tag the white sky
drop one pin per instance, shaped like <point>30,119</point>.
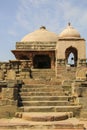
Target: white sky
<point>19,17</point>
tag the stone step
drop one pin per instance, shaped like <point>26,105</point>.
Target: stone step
<point>40,86</point>
<point>43,72</point>
<point>34,85</point>
<point>46,98</point>
<point>42,82</point>
<point>45,103</point>
<point>75,109</point>
<point>32,125</point>
<point>44,117</point>
<point>41,89</point>
<point>41,93</point>
<point>39,127</point>
<point>43,75</point>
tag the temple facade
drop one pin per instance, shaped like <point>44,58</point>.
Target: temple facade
<point>47,50</point>
<point>49,74</point>
<point>43,51</point>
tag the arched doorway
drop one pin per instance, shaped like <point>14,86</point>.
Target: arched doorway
<point>42,61</point>
<point>71,56</point>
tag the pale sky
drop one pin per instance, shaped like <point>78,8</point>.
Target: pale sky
<point>20,17</point>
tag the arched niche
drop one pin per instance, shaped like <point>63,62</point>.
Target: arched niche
<point>81,73</point>
<point>71,56</point>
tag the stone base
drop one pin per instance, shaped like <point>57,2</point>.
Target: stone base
<point>22,125</point>
<point>44,117</point>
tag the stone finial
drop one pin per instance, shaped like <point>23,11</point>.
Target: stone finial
<point>69,24</point>
<point>42,27</point>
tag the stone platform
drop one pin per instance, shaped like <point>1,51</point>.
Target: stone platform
<point>21,124</point>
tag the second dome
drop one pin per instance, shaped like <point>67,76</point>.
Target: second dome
<point>69,32</point>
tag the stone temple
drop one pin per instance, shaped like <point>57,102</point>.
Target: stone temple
<point>46,84</point>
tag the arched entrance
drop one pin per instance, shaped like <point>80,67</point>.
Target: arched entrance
<point>71,56</point>
<point>42,61</point>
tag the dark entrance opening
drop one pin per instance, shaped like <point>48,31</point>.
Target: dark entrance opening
<point>42,61</point>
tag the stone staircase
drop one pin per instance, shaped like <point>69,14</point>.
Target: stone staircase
<point>43,73</point>
<point>45,104</point>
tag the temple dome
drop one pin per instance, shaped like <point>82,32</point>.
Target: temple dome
<point>69,32</point>
<point>41,35</point>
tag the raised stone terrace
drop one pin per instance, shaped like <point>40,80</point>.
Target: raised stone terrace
<point>41,102</point>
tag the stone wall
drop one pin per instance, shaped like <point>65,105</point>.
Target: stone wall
<point>67,72</point>
<point>14,70</point>
<point>80,90</point>
<point>63,44</point>
<point>9,97</point>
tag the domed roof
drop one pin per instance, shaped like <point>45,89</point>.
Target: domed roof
<point>69,32</point>
<point>41,35</point>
